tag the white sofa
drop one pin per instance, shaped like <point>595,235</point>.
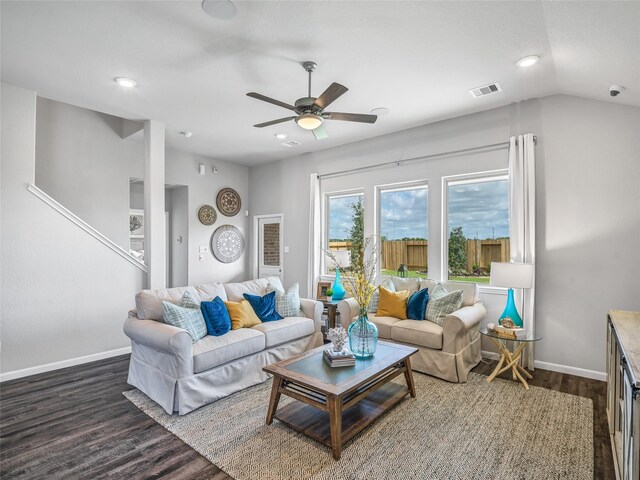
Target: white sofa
<point>181,376</point>
<point>449,351</point>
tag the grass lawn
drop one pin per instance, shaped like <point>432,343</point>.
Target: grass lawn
<point>412,274</point>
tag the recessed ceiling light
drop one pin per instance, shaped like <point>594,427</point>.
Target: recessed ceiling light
<point>528,61</point>
<point>125,82</point>
<point>186,134</point>
<point>220,9</point>
<point>380,111</point>
<point>281,136</point>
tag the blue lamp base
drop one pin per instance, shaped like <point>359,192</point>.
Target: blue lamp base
<point>510,311</point>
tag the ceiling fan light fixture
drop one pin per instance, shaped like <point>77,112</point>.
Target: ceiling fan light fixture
<point>309,121</point>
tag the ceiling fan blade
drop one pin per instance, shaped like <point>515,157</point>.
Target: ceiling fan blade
<point>350,117</point>
<point>273,122</point>
<point>320,133</point>
<point>330,95</point>
<point>258,96</point>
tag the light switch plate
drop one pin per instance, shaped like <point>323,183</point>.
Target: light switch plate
<point>178,239</point>
<point>286,249</point>
<point>204,249</point>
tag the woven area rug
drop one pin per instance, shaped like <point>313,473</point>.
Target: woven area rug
<point>450,431</point>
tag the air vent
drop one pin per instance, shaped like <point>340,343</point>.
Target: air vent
<point>485,90</point>
<point>291,143</point>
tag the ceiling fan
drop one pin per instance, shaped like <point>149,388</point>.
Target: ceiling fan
<point>310,111</point>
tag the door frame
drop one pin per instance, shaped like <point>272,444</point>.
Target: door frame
<point>256,241</point>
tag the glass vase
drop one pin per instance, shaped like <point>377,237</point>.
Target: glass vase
<point>363,336</point>
<point>338,289</point>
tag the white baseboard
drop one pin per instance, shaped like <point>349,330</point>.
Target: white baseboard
<point>63,364</point>
<point>554,367</point>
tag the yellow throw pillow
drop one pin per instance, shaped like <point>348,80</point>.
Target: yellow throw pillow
<point>393,304</point>
<point>242,315</point>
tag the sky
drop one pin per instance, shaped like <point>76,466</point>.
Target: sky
<point>482,209</point>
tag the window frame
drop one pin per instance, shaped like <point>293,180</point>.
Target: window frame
<point>395,187</point>
<point>325,222</point>
<point>463,179</point>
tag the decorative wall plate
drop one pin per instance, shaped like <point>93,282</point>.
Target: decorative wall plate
<point>227,243</point>
<point>228,202</point>
<point>207,215</point>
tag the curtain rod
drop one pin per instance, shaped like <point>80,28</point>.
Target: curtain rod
<point>398,163</point>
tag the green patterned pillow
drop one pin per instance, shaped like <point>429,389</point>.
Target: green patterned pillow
<point>375,298</point>
<point>444,304</point>
<point>288,303</point>
<point>186,315</point>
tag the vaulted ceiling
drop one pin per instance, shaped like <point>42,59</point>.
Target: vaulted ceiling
<point>418,59</point>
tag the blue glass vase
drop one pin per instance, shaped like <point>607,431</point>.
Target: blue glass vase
<point>511,311</point>
<point>338,289</point>
<point>363,336</point>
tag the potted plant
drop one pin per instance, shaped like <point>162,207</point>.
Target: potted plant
<point>329,294</point>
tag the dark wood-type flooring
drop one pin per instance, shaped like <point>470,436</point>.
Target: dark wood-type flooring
<point>76,424</point>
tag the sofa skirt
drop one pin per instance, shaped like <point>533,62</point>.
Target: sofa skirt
<point>186,394</point>
<point>453,367</point>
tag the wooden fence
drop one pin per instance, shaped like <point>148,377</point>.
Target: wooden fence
<point>414,253</point>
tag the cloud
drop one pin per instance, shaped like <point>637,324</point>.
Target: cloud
<point>404,214</point>
<point>481,209</point>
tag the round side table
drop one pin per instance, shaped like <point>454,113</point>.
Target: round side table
<point>510,359</point>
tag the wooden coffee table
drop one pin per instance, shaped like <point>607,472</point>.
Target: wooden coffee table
<point>335,404</point>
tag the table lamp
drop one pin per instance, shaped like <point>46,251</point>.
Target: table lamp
<point>511,275</point>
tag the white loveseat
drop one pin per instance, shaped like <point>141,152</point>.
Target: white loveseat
<point>449,351</point>
<point>181,376</point>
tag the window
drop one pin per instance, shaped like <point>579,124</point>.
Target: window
<point>403,229</point>
<point>345,227</point>
<point>477,225</point>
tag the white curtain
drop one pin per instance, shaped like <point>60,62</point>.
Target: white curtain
<point>314,234</point>
<point>522,209</point>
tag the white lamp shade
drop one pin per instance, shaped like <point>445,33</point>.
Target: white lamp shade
<point>512,275</point>
<point>342,259</point>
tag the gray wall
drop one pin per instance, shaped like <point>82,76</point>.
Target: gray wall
<point>83,163</point>
<point>179,218</point>
<point>64,294</point>
<point>588,208</point>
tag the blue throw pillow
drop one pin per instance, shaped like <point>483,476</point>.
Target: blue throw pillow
<point>216,317</point>
<point>265,307</point>
<point>417,304</point>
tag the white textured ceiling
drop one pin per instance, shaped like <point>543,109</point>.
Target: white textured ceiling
<point>416,58</point>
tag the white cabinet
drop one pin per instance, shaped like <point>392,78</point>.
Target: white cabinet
<point>623,391</point>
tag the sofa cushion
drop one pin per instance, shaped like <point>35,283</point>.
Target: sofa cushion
<point>412,283</point>
<point>393,304</point>
<point>417,305</point>
<point>384,324</point>
<point>211,351</point>
<point>235,291</point>
<point>288,303</point>
<point>439,308</point>
<point>286,330</point>
<point>185,315</point>
<point>149,302</point>
<point>469,290</point>
<point>264,306</point>
<point>417,332</point>
<point>216,317</point>
<point>242,314</point>
<point>375,297</point>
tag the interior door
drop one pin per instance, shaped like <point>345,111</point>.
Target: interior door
<point>270,249</point>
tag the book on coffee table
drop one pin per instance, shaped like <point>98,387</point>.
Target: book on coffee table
<point>339,359</point>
